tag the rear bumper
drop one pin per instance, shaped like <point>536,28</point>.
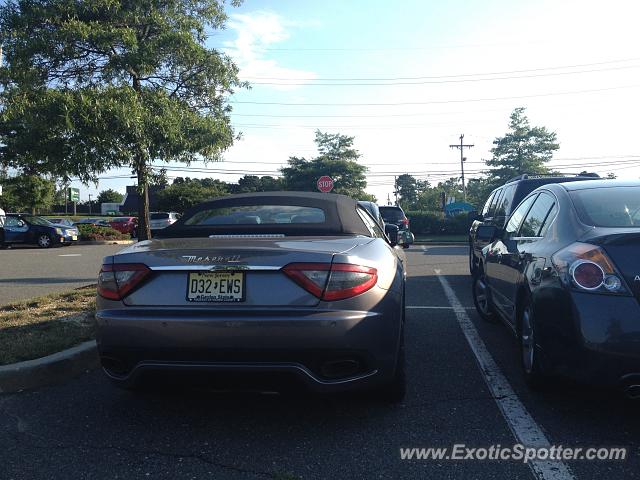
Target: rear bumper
<point>326,350</point>
<point>597,340</point>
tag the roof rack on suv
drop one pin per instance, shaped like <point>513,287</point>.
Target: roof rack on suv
<point>526,176</point>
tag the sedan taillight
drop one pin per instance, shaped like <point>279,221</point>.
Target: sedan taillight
<point>588,268</point>
<point>337,281</point>
<point>116,281</point>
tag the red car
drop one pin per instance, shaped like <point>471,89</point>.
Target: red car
<point>125,225</point>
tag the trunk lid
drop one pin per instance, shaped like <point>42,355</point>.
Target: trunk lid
<point>623,247</point>
<point>259,259</point>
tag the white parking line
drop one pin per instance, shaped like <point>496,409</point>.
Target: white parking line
<point>521,423</point>
<point>71,255</point>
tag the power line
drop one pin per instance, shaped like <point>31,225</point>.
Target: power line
<point>315,83</point>
<point>462,75</point>
<point>434,102</point>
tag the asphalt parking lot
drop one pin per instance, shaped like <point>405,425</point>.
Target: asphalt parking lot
<point>27,271</point>
<point>464,388</point>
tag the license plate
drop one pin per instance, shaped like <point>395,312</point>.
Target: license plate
<point>74,237</point>
<point>215,287</point>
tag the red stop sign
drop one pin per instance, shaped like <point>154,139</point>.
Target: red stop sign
<point>325,184</point>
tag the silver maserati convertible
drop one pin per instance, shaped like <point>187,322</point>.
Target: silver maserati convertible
<point>300,286</point>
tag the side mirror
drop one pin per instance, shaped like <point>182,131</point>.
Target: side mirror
<point>488,233</point>
<point>392,233</point>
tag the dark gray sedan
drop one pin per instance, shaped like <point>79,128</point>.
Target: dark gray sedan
<point>299,286</point>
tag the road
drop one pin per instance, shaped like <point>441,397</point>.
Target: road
<point>88,429</point>
<point>26,272</point>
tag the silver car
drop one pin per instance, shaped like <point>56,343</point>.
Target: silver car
<point>303,286</point>
<point>160,220</point>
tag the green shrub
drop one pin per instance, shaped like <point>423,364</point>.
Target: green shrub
<point>92,232</point>
<point>433,223</point>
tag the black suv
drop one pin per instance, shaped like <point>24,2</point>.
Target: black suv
<point>503,200</point>
<point>394,215</point>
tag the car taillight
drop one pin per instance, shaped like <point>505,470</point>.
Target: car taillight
<point>405,221</point>
<point>337,281</point>
<point>588,268</point>
<point>116,281</point>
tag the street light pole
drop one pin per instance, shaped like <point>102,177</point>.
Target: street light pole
<point>89,204</point>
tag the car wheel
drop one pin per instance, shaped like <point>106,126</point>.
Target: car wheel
<point>406,245</point>
<point>473,268</point>
<point>44,241</point>
<point>396,389</point>
<point>531,359</point>
<point>482,299</point>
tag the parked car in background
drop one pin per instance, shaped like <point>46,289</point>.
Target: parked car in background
<point>317,300</point>
<point>125,225</point>
<point>503,200</point>
<point>391,230</point>
<point>160,220</point>
<point>393,214</point>
<point>22,228</point>
<point>61,221</point>
<point>564,275</point>
<point>97,222</point>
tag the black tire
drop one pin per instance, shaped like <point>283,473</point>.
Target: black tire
<point>396,389</point>
<point>45,241</point>
<point>482,299</point>
<point>406,245</point>
<point>531,359</point>
<point>473,267</point>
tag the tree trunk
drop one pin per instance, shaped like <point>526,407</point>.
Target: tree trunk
<point>144,231</point>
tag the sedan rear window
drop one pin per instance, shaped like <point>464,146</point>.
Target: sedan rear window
<point>257,215</point>
<point>614,207</point>
<point>159,216</point>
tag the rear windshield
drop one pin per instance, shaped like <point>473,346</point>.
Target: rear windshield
<point>257,215</point>
<point>159,216</point>
<point>123,219</point>
<point>391,214</point>
<point>608,207</point>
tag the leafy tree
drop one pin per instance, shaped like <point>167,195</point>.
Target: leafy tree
<point>337,158</point>
<point>186,193</point>
<point>253,183</point>
<point>109,196</point>
<point>33,193</point>
<point>409,188</point>
<point>92,85</point>
<point>523,149</point>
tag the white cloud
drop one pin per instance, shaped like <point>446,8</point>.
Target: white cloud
<point>256,32</point>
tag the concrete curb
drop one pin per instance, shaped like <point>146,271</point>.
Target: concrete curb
<point>49,370</point>
<point>105,242</point>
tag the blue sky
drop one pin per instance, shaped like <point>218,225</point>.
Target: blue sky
<point>446,67</point>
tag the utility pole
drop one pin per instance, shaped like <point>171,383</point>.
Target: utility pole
<point>462,146</point>
<point>395,188</point>
<point>89,204</point>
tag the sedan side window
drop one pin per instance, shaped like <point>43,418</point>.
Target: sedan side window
<point>517,216</point>
<point>537,214</point>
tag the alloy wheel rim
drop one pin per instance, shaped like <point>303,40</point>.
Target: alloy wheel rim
<point>481,296</point>
<point>527,340</point>
<point>44,241</point>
